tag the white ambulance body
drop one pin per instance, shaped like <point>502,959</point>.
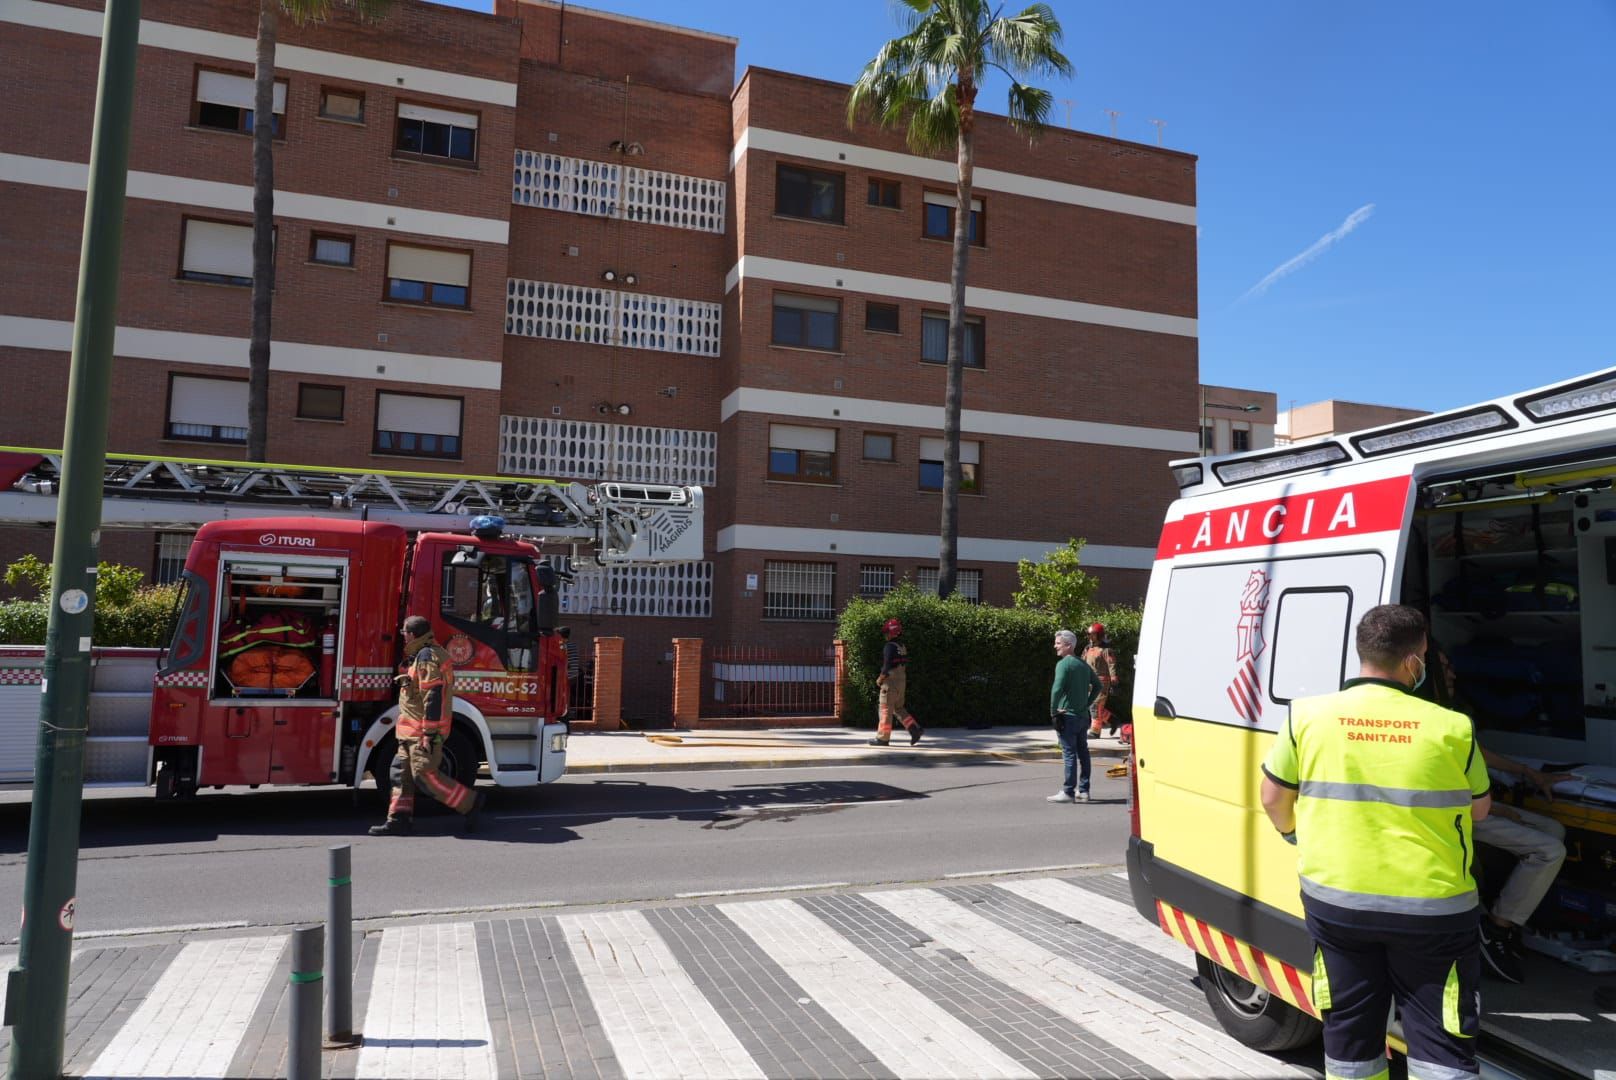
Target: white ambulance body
<point>1498,521</point>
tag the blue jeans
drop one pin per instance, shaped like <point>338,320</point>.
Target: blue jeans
<point>1072,731</point>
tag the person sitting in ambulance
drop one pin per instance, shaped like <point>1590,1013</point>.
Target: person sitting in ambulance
<point>1536,841</point>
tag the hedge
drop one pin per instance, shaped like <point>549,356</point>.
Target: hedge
<point>146,621</point>
<point>969,662</point>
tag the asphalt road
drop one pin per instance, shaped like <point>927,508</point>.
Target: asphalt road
<point>259,858</point>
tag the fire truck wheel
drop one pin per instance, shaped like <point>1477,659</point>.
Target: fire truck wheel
<point>460,757</point>
<point>1251,1014</point>
<point>380,766</point>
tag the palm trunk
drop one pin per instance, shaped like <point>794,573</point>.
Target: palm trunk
<point>948,548</point>
<point>263,246</point>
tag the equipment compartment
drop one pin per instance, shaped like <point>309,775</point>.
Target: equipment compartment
<point>277,628</point>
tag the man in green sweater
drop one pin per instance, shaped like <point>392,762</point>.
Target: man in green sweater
<point>1075,689</point>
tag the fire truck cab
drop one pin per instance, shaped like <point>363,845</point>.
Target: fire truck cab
<point>282,665</point>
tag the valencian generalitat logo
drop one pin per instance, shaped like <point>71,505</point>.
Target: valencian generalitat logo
<point>1245,690</point>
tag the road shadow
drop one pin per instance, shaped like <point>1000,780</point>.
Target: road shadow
<point>550,814</point>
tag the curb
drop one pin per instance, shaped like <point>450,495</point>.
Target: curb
<point>893,755</point>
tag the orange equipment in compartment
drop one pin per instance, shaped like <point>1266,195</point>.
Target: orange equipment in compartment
<point>270,667</point>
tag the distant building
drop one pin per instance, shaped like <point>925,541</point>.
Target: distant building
<point>1333,417</point>
<point>1234,419</point>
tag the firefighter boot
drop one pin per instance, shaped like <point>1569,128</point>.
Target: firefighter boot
<point>473,818</point>
<point>393,826</point>
<point>915,731</point>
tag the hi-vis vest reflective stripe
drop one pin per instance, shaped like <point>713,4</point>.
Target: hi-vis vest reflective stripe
<point>1374,764</point>
<point>426,702</point>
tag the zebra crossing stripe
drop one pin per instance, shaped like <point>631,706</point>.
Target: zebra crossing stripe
<point>427,1017</point>
<point>1103,913</point>
<point>863,996</point>
<point>657,1020</point>
<point>196,1013</point>
<point>1177,1045</point>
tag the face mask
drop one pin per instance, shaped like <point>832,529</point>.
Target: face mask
<point>1419,680</point>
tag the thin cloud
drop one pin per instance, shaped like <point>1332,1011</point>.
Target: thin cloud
<point>1319,247</point>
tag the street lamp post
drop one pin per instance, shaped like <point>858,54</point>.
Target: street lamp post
<point>1248,407</point>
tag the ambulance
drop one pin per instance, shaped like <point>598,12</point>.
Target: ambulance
<point>1499,522</point>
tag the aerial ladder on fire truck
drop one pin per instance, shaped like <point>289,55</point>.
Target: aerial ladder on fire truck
<point>609,522</point>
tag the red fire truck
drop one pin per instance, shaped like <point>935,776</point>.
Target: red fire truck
<point>286,641</point>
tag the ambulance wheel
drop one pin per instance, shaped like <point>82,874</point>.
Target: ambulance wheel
<point>1253,1015</point>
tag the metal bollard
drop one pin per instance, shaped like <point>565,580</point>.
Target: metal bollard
<point>339,1024</point>
<point>303,1036</point>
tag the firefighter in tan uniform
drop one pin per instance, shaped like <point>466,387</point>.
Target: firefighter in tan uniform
<point>1103,661</point>
<point>425,718</point>
<point>893,681</point>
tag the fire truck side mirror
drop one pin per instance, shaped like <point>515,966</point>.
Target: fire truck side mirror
<point>549,597</point>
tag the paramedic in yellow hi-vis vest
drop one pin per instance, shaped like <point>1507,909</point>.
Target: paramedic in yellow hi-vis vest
<point>1377,789</point>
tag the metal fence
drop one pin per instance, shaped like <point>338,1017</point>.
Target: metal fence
<point>753,680</point>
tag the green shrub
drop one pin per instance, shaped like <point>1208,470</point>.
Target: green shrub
<point>23,622</point>
<point>127,613</point>
<point>967,662</point>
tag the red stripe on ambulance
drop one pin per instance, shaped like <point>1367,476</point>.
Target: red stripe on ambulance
<point>1376,506</point>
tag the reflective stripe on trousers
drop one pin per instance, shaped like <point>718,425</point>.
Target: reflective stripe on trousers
<point>419,761</point>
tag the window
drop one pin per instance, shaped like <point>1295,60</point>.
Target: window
<point>796,590</point>
<point>216,251</point>
<point>206,409</point>
<point>807,322</point>
<point>172,548</point>
<point>882,318</point>
<point>224,102</point>
<point>802,453</point>
<point>1309,622</point>
<point>346,105</point>
<point>879,446</point>
<point>875,580</point>
<point>428,276</point>
<point>418,425</point>
<point>939,219</point>
<point>436,133</point>
<point>884,192</point>
<point>934,339</point>
<point>931,466</point>
<point>808,193</point>
<point>317,401</point>
<point>1239,438</point>
<point>967,583</point>
<point>330,249</point>
<point>1209,439</point>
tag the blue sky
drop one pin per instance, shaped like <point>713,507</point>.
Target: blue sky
<point>1401,203</point>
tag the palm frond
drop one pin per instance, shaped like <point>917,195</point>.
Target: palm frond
<point>934,124</point>
<point>312,11</point>
<point>1028,43</point>
<point>1029,108</point>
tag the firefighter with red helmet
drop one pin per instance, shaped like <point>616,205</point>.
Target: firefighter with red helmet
<point>893,681</point>
<point>425,718</point>
<point>1098,655</point>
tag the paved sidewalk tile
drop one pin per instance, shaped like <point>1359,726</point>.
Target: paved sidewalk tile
<point>426,1018</point>
<point>196,1013</point>
<point>910,1033</point>
<point>659,1024</point>
<point>787,1033</point>
<point>543,1021</point>
<point>1023,1027</point>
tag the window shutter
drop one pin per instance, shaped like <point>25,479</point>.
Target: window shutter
<point>221,402</point>
<point>937,198</point>
<point>422,415</point>
<point>426,264</point>
<point>970,451</point>
<point>212,247</point>
<point>792,437</point>
<point>219,88</point>
<point>437,116</point>
<point>807,303</point>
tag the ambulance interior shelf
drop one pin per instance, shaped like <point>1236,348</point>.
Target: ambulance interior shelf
<point>274,618</point>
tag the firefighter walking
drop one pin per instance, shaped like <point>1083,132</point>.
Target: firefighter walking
<point>893,681</point>
<point>425,718</point>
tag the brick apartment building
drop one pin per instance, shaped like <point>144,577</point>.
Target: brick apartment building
<point>682,280</point>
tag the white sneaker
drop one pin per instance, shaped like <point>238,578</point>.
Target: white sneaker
<point>1081,796</point>
<point>1060,796</point>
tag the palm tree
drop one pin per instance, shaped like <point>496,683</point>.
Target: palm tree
<point>263,247</point>
<point>928,79</point>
